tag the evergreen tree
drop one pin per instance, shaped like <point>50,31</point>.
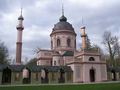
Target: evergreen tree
<point>3,53</point>
<point>32,62</point>
<point>88,44</point>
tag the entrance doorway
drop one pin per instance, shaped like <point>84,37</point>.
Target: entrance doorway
<point>61,78</point>
<point>92,75</point>
<point>6,76</point>
<point>44,76</point>
<point>113,75</point>
<point>26,76</point>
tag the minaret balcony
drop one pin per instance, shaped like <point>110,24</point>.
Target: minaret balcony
<point>20,27</point>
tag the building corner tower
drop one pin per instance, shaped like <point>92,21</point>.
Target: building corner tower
<point>19,28</point>
<point>83,35</point>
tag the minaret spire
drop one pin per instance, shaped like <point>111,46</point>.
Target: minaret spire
<point>63,18</point>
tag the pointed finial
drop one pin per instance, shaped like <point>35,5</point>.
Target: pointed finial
<point>21,11</point>
<point>21,7</point>
<point>62,9</point>
<point>63,18</point>
<point>20,17</point>
<point>82,22</point>
<point>83,27</point>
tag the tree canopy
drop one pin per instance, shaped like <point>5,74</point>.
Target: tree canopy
<point>111,43</point>
<point>3,53</point>
<point>88,43</point>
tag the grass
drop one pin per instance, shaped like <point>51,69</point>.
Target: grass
<point>102,86</point>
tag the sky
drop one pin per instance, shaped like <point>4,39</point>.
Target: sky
<point>41,15</point>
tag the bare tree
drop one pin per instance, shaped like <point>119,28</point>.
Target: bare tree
<point>112,46</point>
<point>117,55</point>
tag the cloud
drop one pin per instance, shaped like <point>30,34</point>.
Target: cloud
<point>41,15</point>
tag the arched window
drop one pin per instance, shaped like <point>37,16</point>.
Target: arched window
<point>58,42</point>
<point>68,42</point>
<point>54,63</point>
<point>91,59</point>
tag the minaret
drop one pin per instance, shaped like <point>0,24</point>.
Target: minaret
<point>19,28</point>
<point>83,35</point>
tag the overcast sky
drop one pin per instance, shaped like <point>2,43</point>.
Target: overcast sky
<point>41,15</point>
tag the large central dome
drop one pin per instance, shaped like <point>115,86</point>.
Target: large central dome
<point>63,24</point>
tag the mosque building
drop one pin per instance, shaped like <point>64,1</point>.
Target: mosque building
<point>86,64</point>
<point>63,63</point>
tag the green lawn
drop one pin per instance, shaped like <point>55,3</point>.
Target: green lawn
<point>104,86</point>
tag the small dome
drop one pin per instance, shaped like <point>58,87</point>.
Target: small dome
<point>63,24</point>
<point>63,18</point>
